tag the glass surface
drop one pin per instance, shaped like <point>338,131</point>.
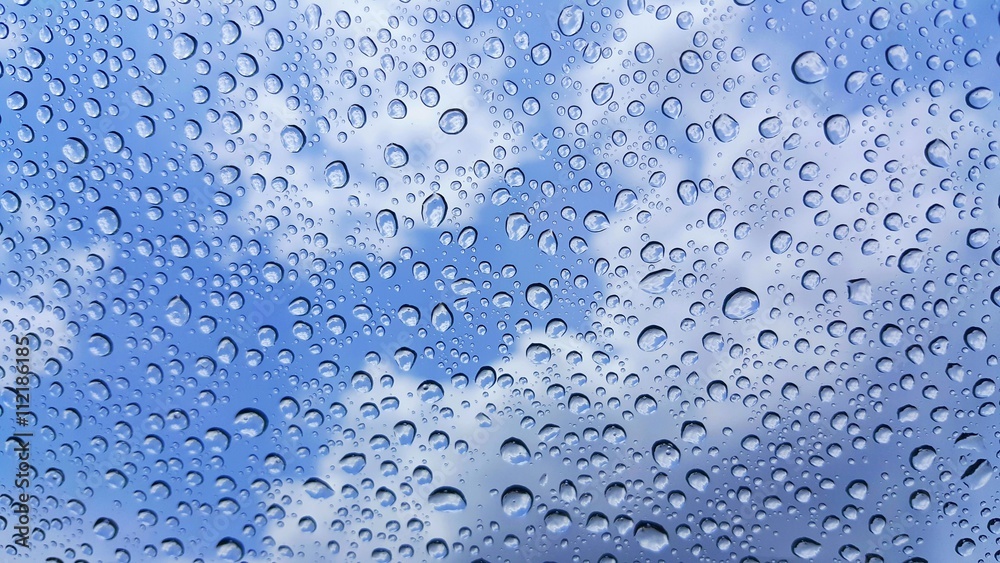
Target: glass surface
<point>592,281</point>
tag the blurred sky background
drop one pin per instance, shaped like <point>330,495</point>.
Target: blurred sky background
<point>266,327</point>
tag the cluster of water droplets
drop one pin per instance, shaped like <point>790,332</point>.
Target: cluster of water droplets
<point>375,282</point>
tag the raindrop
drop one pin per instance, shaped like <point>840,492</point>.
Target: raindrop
<point>108,221</point>
<point>725,127</point>
<point>570,20</point>
<point>386,223</point>
<point>184,46</point>
<point>538,296</point>
<point>740,304</point>
<point>810,67</point>
<point>434,210</point>
<point>105,528</point>
<point>837,128</point>
<point>453,121</point>
<point>292,138</point>
<point>651,338</point>
<point>75,150</point>
<point>979,98</point>
<point>516,501</point>
<point>441,317</point>
<point>805,548</point>
<point>897,56</point>
<point>938,153</point>
<point>601,93</point>
<point>447,499</point>
<point>250,423</point>
<point>657,282</point>
<point>666,454</point>
<point>396,156</point>
<point>651,536</point>
<point>178,311</point>
<point>336,174</point>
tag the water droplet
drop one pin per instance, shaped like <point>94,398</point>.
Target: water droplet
<point>105,528</point>
<point>386,223</point>
<point>178,311</point>
<point>897,56</point>
<point>740,304</point>
<point>651,536</point>
<point>516,501</point>
<point>938,153</point>
<point>292,138</point>
<point>725,127</point>
<point>515,452</point>
<point>108,221</point>
<point>434,210</point>
<point>666,454</point>
<point>570,20</point>
<point>601,93</point>
<point>922,458</point>
<point>979,98</point>
<point>447,499</point>
<point>184,46</point>
<point>396,156</point>
<point>691,62</point>
<point>75,150</point>
<point>910,260</point>
<point>250,423</point>
<point>229,549</point>
<point>336,174</point>
<point>99,345</point>
<point>453,121</point>
<point>441,317</point>
<point>805,548</point>
<point>837,128</point>
<point>538,296</point>
<point>810,67</point>
<point>671,108</point>
<point>657,282</point>
<point>651,338</point>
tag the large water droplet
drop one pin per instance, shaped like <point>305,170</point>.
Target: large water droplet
<point>178,311</point>
<point>810,67</point>
<point>396,156</point>
<point>250,423</point>
<point>516,501</point>
<point>897,56</point>
<point>837,128</point>
<point>726,128</point>
<point>108,221</point>
<point>292,138</point>
<point>453,121</point>
<point>740,304</point>
<point>666,454</point>
<point>75,150</point>
<point>538,296</point>
<point>805,548</point>
<point>601,93</point>
<point>336,174</point>
<point>570,20</point>
<point>441,317</point>
<point>979,98</point>
<point>434,210</point>
<point>386,223</point>
<point>651,339</point>
<point>651,536</point>
<point>229,549</point>
<point>447,499</point>
<point>184,46</point>
<point>938,153</point>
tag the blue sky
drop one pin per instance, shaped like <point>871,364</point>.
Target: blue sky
<point>192,272</point>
